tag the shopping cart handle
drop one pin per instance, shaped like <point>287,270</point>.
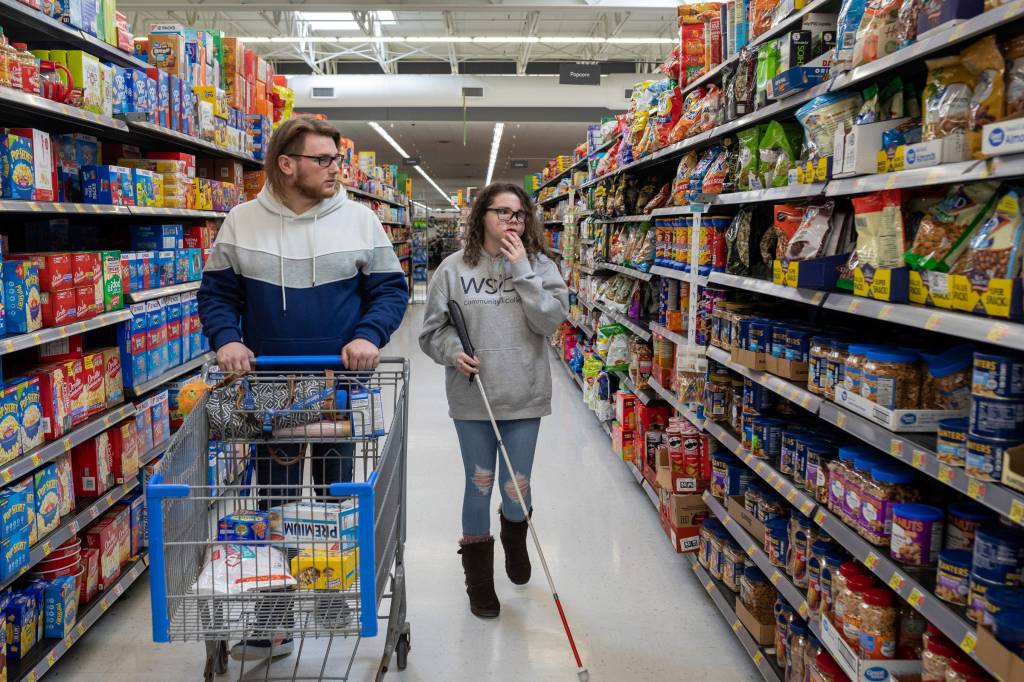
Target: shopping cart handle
<point>292,360</point>
<point>349,489</point>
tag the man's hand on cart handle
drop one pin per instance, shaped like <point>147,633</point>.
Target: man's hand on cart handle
<point>234,357</point>
<point>360,355</point>
<point>466,364</point>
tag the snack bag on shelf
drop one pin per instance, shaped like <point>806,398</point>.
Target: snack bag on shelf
<point>878,32</point>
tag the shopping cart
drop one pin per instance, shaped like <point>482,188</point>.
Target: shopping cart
<point>235,557</point>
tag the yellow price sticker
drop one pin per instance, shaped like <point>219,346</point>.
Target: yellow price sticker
<point>7,475</point>
<point>709,586</point>
<point>803,610</point>
<point>916,598</point>
<point>758,657</point>
<point>872,560</point>
<point>751,550</point>
<point>807,508</point>
<point>31,677</point>
<point>791,495</point>
<point>896,448</point>
<point>8,346</point>
<point>819,518</point>
<point>896,582</point>
<point>997,331</point>
<point>917,458</point>
<point>933,321</point>
<point>104,604</point>
<point>80,629</point>
<point>841,420</point>
<point>736,626</point>
<point>47,549</point>
<point>67,444</point>
<point>968,642</point>
<point>853,306</point>
<point>975,489</point>
<point>946,473</point>
<point>886,312</point>
<point>1017,511</point>
<point>50,660</point>
<point>35,459</point>
<point>776,577</point>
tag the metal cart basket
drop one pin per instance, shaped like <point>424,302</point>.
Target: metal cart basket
<point>254,534</point>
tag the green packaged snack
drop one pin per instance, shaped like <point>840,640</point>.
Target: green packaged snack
<point>777,152</point>
<point>749,140</point>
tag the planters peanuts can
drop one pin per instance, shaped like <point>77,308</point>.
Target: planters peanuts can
<point>997,376</point>
<point>985,457</point>
<point>997,418</point>
<point>999,555</point>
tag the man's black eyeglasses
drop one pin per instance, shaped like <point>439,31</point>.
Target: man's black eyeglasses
<point>324,160</point>
<point>507,215</point>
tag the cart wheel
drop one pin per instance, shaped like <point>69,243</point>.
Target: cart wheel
<point>402,651</point>
<point>221,666</point>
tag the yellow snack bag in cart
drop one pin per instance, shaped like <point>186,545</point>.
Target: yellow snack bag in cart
<point>325,568</point>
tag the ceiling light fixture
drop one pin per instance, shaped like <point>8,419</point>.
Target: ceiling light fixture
<point>412,40</point>
<point>499,128</point>
<point>398,148</point>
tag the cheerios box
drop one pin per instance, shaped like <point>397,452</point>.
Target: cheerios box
<point>48,502</point>
<point>10,424</point>
<point>23,310</point>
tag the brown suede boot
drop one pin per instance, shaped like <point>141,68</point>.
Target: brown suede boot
<point>517,558</point>
<point>478,563</point>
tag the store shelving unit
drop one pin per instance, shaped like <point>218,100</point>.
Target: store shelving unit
<point>674,337</point>
<point>18,342</point>
<point>679,407</point>
<point>170,375</point>
<point>630,272</point>
<point>150,294</point>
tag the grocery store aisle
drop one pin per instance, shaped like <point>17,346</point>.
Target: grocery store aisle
<point>637,611</point>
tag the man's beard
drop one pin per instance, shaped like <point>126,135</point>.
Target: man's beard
<point>312,187</point>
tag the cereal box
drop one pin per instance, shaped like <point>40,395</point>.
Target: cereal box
<point>13,511</point>
<point>244,526</point>
<point>59,308</point>
<point>48,502</point>
<point>156,237</point>
<point>61,607</point>
<point>113,385</point>
<point>165,265</point>
<point>121,516</point>
<point>173,308</point>
<point>125,444</point>
<point>103,536</point>
<point>160,416</point>
<point>110,267</point>
<point>111,185</point>
<point>53,400</point>
<point>92,462</point>
<point>22,304</point>
<point>163,96</point>
<point>55,270</point>
<point>31,412</point>
<point>94,365</point>
<point>145,186</point>
<point>174,91</point>
<point>167,51</point>
<point>14,552</point>
<point>43,168</point>
<point>156,338</point>
<point>144,425</point>
<point>85,72</point>
<point>137,512</point>
<point>10,424</point>
<point>66,478</point>
<point>75,373</point>
<point>325,568</point>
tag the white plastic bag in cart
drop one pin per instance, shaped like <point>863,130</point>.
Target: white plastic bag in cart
<point>237,569</point>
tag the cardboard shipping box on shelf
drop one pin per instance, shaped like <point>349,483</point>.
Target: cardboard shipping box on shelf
<point>813,273</point>
<point>681,517</point>
<point>746,520</point>
<point>749,359</point>
<point>891,285</point>
<point>762,633</point>
<point>864,670</point>
<point>787,369</point>
<point>1013,467</point>
<point>678,476</point>
<point>908,421</point>
<point>1003,663</point>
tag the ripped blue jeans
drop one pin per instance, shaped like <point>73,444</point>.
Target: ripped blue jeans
<point>480,456</point>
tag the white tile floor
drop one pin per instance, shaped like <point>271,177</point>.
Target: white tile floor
<point>638,613</point>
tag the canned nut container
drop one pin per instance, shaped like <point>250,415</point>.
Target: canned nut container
<point>997,418</point>
<point>997,376</point>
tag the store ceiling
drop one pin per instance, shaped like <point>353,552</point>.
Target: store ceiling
<point>590,19</point>
<point>456,166</point>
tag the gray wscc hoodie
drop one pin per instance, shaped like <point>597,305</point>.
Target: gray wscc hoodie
<point>509,309</point>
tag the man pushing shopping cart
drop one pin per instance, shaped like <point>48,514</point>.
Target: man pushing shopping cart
<point>262,294</point>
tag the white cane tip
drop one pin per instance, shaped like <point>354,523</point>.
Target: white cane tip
<point>583,676</point>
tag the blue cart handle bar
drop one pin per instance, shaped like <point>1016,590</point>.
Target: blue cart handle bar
<point>157,488</point>
<point>308,360</point>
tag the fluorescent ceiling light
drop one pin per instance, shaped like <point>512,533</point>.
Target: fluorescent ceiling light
<point>334,25</point>
<point>411,40</point>
<point>499,128</point>
<point>398,148</point>
<point>385,16</point>
<point>326,16</point>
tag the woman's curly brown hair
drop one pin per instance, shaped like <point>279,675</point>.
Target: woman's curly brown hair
<point>533,232</point>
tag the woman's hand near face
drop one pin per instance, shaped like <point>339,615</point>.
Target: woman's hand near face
<point>512,247</point>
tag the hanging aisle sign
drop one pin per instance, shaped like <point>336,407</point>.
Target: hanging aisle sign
<point>579,74</point>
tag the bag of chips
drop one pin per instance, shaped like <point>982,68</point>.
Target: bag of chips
<point>749,154</point>
<point>811,236</point>
<point>850,15</point>
<point>880,232</point>
<point>879,32</point>
<point>777,151</point>
<point>714,179</point>
<point>682,180</point>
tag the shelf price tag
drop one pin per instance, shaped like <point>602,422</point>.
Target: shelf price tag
<point>975,489</point>
<point>7,476</point>
<point>806,508</point>
<point>819,518</point>
<point>1017,511</point>
<point>776,577</point>
<point>886,312</point>
<point>853,306</point>
<point>47,549</point>
<point>709,586</point>
<point>917,458</point>
<point>933,321</point>
<point>946,473</point>
<point>872,560</point>
<point>916,598</point>
<point>752,550</point>
<point>896,582</point>
<point>50,660</point>
<point>80,629</point>
<point>803,610</point>
<point>736,626</point>
<point>968,642</point>
<point>896,447</point>
<point>791,495</point>
<point>997,331</point>
<point>841,420</point>
<point>758,657</point>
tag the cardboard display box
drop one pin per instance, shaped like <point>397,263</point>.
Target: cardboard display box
<point>763,633</point>
<point>863,670</point>
<point>749,359</point>
<point>1005,664</point>
<point>671,478</point>
<point>787,369</point>
<point>747,522</point>
<point>909,421</point>
<point>682,538</point>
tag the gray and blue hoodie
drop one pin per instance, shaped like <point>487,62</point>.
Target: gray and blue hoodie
<point>287,284</point>
<point>509,309</point>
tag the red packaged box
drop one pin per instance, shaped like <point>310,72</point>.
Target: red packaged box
<point>59,308</point>
<point>625,410</point>
<point>85,302</point>
<point>189,160</point>
<point>113,381</point>
<point>53,400</point>
<point>55,270</point>
<point>74,373</point>
<point>126,275</point>
<point>59,350</point>
<point>121,519</point>
<point>250,64</point>
<point>92,463</point>
<point>104,536</point>
<point>85,268</point>
<point>125,444</point>
<point>113,152</point>
<point>95,382</point>
<point>89,581</point>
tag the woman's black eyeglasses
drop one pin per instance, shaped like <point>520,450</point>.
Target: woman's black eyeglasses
<point>507,215</point>
<point>324,160</point>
